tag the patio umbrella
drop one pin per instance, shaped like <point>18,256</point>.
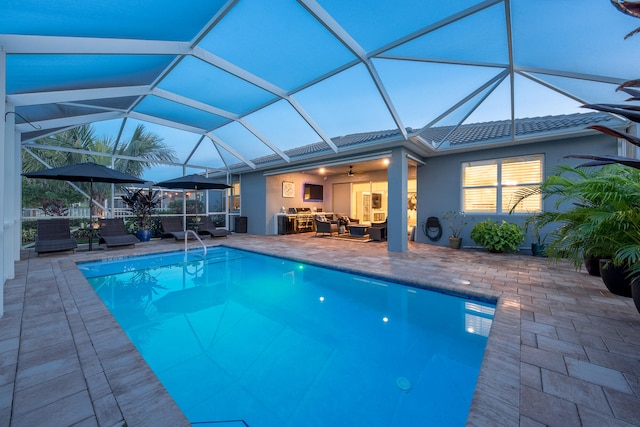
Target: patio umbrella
<point>85,172</point>
<point>606,159</point>
<point>192,182</point>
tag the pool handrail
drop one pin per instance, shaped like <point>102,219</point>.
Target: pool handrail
<point>186,238</point>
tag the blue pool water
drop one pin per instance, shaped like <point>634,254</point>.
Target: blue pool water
<point>273,342</point>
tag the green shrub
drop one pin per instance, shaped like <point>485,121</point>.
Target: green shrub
<point>28,232</point>
<point>498,237</point>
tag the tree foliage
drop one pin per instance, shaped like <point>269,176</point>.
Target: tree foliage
<point>80,145</point>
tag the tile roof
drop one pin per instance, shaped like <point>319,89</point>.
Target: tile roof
<point>499,130</point>
<point>464,134</point>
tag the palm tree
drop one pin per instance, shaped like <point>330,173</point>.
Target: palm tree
<point>146,146</point>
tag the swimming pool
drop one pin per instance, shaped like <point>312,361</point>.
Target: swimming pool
<point>274,342</point>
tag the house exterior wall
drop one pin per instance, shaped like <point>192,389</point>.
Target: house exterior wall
<point>440,180</point>
<point>253,201</point>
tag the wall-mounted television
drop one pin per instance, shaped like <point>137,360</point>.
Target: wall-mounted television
<point>313,192</point>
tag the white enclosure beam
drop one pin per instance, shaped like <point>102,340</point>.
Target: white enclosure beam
<point>69,121</point>
<point>264,140</point>
<point>262,84</point>
<point>570,75</point>
<point>33,146</point>
<point>39,98</point>
<point>231,150</point>
<point>345,38</point>
<point>194,104</point>
<point>28,44</point>
<point>165,122</point>
<point>436,25</point>
<point>307,118</point>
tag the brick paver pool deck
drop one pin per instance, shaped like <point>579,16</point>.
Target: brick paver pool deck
<point>562,351</point>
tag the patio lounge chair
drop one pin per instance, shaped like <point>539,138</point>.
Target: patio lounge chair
<point>324,226</point>
<point>378,231</point>
<point>172,227</point>
<point>113,233</point>
<point>54,235</point>
<point>208,227</point>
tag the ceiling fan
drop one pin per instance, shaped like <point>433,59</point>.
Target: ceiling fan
<point>350,173</point>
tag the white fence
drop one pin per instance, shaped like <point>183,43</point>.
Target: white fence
<point>35,213</point>
<point>32,214</point>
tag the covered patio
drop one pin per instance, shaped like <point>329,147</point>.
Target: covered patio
<point>562,350</point>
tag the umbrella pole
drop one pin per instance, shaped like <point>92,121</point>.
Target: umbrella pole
<point>91,203</point>
<point>90,216</point>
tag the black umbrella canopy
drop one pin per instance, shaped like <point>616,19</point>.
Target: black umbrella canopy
<point>85,172</point>
<point>193,182</point>
<point>606,159</point>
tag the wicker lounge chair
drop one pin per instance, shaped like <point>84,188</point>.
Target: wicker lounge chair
<point>325,226</point>
<point>113,233</point>
<point>208,227</point>
<point>54,235</point>
<point>172,227</point>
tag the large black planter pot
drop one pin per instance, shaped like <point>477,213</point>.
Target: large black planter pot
<point>592,264</point>
<point>615,278</point>
<point>635,292</point>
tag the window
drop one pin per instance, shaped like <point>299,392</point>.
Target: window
<point>493,185</point>
<point>234,195</point>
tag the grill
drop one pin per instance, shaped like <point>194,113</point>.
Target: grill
<point>297,220</point>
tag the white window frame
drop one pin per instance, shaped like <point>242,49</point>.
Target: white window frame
<point>499,185</point>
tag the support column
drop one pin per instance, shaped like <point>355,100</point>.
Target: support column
<point>17,188</point>
<point>9,197</point>
<point>397,223</point>
<point>3,143</point>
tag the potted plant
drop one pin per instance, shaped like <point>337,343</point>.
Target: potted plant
<point>497,237</point>
<point>141,205</point>
<point>457,221</point>
<point>596,216</point>
<point>538,248</point>
<point>615,223</point>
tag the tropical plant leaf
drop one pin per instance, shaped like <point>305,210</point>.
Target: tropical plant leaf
<point>612,132</point>
<point>622,110</point>
<point>629,83</point>
<point>627,7</point>
<point>635,94</point>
